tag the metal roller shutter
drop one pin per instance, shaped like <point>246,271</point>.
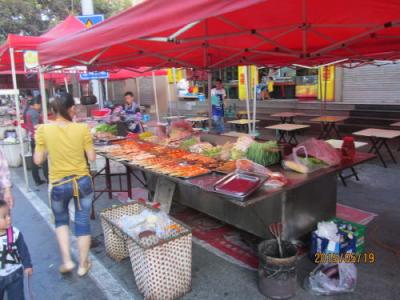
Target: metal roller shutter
<point>372,84</point>
<point>146,91</point>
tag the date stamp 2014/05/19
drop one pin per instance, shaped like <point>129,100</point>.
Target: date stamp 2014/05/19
<point>333,258</point>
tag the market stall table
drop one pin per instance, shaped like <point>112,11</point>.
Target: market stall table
<point>397,124</point>
<point>242,124</point>
<point>287,116</point>
<point>337,144</point>
<point>379,138</point>
<point>328,124</point>
<point>298,205</point>
<point>196,121</point>
<point>290,129</point>
<point>234,133</point>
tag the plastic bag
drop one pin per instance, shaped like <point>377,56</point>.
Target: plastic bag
<point>275,179</point>
<point>245,165</point>
<point>147,220</point>
<point>300,161</point>
<point>322,151</point>
<point>331,279</point>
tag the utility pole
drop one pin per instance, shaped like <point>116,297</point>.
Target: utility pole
<point>88,9</point>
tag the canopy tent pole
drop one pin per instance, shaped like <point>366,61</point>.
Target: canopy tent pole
<point>246,80</point>
<point>66,84</point>
<point>209,77</point>
<point>138,89</point>
<point>174,77</point>
<point>175,90</point>
<point>43,94</point>
<point>255,100</point>
<point>106,90</point>
<point>168,95</point>
<point>155,96</point>
<point>79,86</point>
<point>325,70</point>
<point>18,112</point>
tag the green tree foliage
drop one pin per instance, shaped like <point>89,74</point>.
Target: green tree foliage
<point>34,17</point>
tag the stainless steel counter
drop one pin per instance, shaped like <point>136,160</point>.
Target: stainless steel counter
<point>300,205</point>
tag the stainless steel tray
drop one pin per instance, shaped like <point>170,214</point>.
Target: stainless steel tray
<point>256,179</point>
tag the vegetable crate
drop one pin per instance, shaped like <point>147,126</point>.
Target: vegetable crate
<point>161,271</point>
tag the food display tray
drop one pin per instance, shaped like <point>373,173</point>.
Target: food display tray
<point>99,142</point>
<point>239,185</point>
<point>195,176</point>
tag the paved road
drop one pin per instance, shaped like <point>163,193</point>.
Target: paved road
<point>214,277</point>
<point>47,283</point>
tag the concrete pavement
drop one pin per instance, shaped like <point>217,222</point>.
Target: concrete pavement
<point>215,278</point>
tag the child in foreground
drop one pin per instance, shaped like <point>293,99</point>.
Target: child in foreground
<point>15,259</point>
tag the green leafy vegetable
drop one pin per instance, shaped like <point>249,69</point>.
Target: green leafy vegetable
<point>212,152</point>
<point>107,128</point>
<point>186,144</point>
<point>265,154</point>
<point>237,154</point>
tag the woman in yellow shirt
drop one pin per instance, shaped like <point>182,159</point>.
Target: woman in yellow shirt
<point>67,145</point>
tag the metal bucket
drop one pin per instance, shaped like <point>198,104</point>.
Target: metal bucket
<point>277,277</point>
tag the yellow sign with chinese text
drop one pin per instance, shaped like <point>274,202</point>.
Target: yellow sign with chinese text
<point>326,83</point>
<point>242,82</point>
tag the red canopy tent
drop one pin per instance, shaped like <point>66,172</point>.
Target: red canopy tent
<point>216,33</point>
<point>11,59</point>
<point>141,72</point>
<point>20,42</point>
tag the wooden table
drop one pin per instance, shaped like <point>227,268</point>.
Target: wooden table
<point>242,124</point>
<point>234,134</point>
<point>290,129</point>
<point>287,116</point>
<point>198,120</point>
<point>397,124</point>
<point>337,144</point>
<point>379,138</point>
<point>328,124</point>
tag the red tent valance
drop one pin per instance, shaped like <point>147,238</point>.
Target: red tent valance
<point>217,33</point>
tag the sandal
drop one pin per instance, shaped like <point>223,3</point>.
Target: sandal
<point>82,271</point>
<point>64,269</point>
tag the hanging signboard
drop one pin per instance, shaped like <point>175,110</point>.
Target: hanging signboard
<point>94,75</point>
<point>91,20</point>
<point>31,61</point>
<point>9,92</point>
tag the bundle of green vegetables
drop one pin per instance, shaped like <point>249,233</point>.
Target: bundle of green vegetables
<point>265,154</point>
<point>213,152</point>
<point>107,128</point>
<point>186,144</point>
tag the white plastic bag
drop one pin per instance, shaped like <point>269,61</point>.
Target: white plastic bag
<point>331,279</point>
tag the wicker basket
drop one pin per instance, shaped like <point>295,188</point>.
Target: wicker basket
<point>162,271</point>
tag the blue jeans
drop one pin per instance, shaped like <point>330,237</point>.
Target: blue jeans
<point>61,195</point>
<point>13,285</point>
<point>218,124</point>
